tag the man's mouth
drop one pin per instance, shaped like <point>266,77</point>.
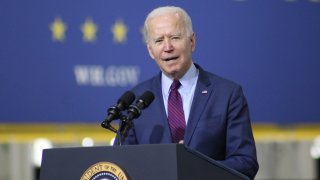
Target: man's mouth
<point>171,58</point>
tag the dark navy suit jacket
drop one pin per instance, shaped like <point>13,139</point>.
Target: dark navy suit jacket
<point>218,125</point>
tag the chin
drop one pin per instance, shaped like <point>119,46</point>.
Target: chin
<point>174,74</point>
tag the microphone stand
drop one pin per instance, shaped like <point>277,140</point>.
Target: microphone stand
<point>133,112</point>
<point>115,113</point>
<point>125,125</point>
<point>123,131</point>
<point>108,126</point>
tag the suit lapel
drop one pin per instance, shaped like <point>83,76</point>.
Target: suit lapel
<point>162,115</point>
<point>203,91</point>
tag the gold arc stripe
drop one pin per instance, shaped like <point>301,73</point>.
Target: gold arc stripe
<point>63,133</point>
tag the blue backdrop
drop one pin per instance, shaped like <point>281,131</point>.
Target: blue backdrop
<point>68,61</point>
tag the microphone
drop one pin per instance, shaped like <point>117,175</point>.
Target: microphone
<point>133,112</point>
<point>143,102</point>
<point>114,112</point>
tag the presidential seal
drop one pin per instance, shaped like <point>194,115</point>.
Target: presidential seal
<point>104,171</point>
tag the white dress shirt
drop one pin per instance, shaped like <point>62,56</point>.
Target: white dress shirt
<point>186,90</point>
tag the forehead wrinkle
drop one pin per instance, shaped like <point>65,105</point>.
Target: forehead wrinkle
<point>177,24</point>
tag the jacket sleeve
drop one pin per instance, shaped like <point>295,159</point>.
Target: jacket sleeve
<point>240,145</point>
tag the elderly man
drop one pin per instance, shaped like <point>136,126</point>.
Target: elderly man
<point>202,110</point>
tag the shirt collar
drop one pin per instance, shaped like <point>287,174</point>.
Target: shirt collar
<point>186,81</point>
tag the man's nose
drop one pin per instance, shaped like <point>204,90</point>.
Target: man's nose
<point>168,45</point>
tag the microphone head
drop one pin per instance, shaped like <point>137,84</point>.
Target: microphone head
<point>126,99</point>
<point>146,98</point>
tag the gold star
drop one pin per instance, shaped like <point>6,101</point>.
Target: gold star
<point>89,30</point>
<point>58,29</point>
<point>119,31</point>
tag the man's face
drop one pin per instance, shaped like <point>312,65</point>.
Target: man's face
<point>169,45</point>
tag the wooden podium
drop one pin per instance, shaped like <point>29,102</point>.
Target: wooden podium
<point>136,162</point>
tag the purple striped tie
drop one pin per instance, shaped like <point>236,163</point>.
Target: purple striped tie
<point>176,119</point>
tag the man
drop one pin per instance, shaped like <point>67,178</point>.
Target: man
<point>210,114</point>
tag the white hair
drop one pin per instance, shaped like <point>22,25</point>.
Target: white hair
<point>168,10</point>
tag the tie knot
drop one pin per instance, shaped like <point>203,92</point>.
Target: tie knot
<point>175,85</point>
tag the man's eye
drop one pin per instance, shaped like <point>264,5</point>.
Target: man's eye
<point>175,37</point>
<point>158,41</point>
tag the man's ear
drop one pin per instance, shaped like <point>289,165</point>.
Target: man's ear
<point>193,41</point>
<point>150,51</point>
